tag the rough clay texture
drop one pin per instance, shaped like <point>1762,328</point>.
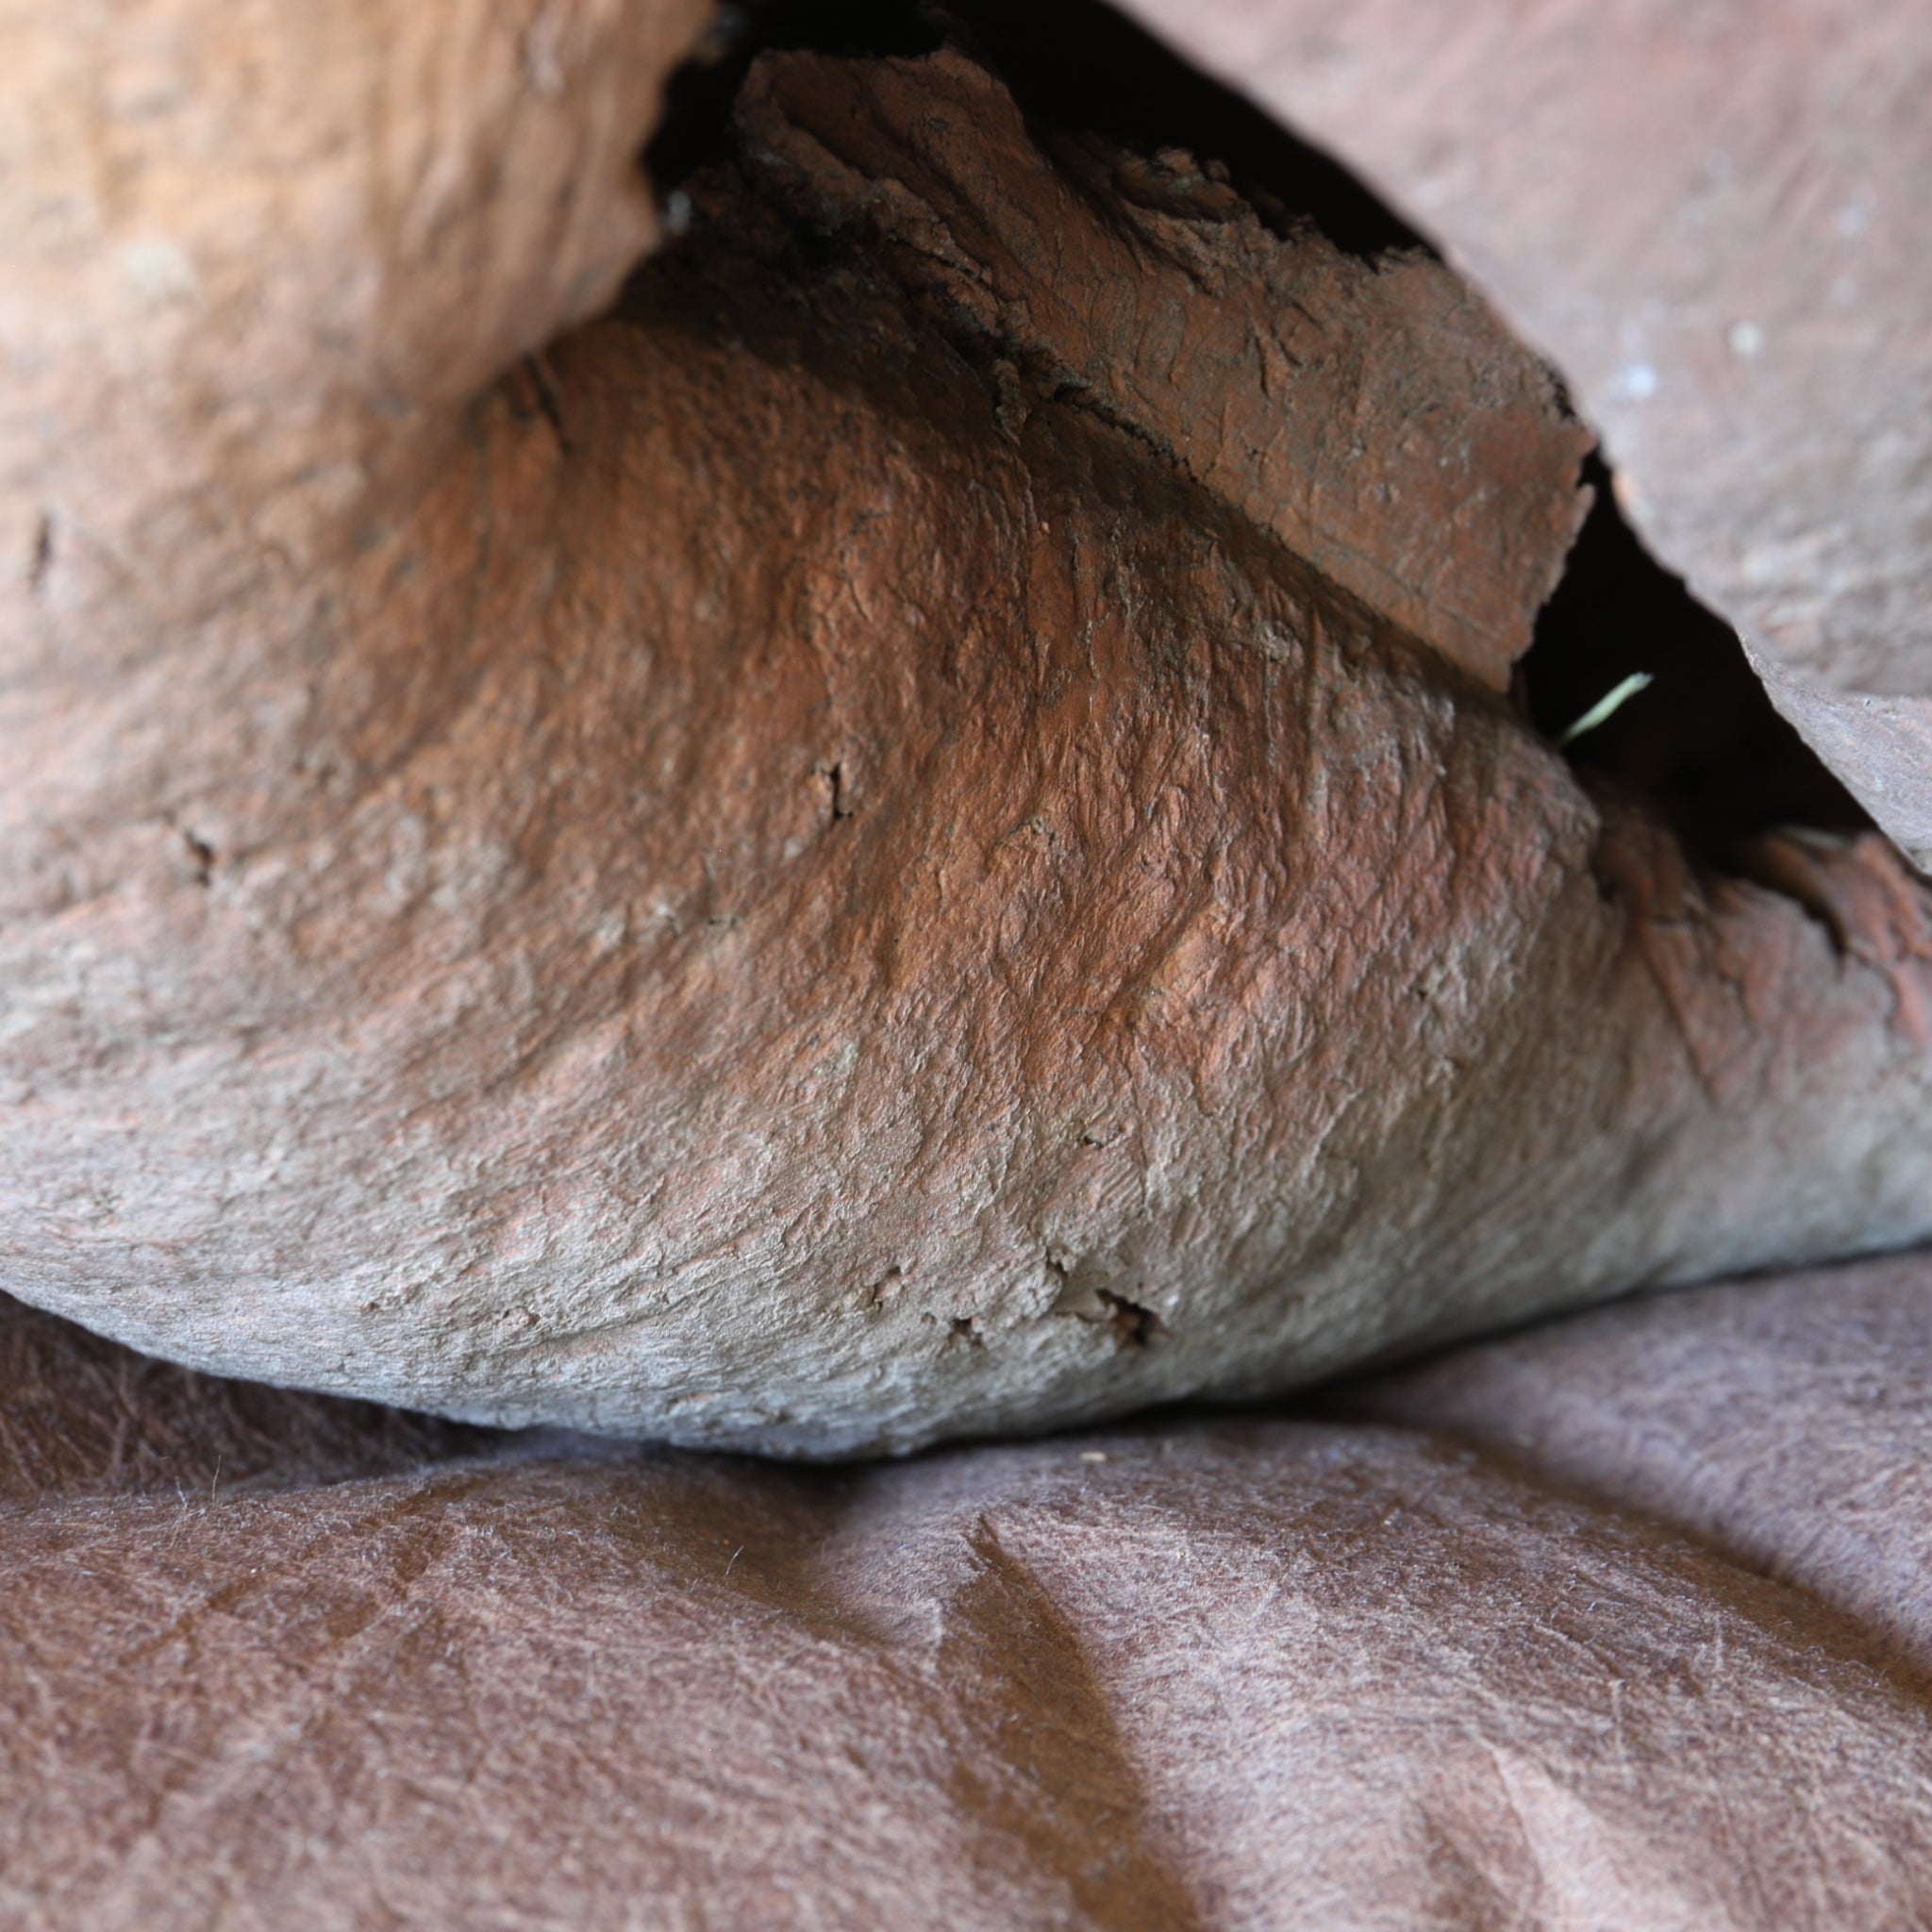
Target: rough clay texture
<point>1375,417</point>
<point>1713,218</point>
<point>251,255</point>
<point>1787,1422</point>
<point>1180,1678</point>
<point>800,890</point>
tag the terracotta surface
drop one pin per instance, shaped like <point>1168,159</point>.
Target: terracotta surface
<point>1369,413</point>
<point>252,256</point>
<point>1210,1675</point>
<point>823,864</point>
<point>1712,219</point>
<point>804,888</point>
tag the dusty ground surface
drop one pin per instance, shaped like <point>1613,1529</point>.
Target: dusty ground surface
<point>1334,1671</point>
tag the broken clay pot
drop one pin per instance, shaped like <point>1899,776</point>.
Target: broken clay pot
<point>812,871</point>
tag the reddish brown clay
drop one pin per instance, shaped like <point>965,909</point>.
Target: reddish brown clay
<point>793,881</point>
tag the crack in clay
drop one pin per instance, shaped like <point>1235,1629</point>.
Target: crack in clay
<point>43,555</point>
<point>201,854</point>
<point>1133,1324</point>
<point>543,395</point>
<point>838,787</point>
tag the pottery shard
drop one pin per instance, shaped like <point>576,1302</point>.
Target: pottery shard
<point>1373,415</point>
<point>800,888</point>
<point>1713,219</point>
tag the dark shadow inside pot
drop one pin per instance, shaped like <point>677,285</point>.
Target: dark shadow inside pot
<point>1701,741</point>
